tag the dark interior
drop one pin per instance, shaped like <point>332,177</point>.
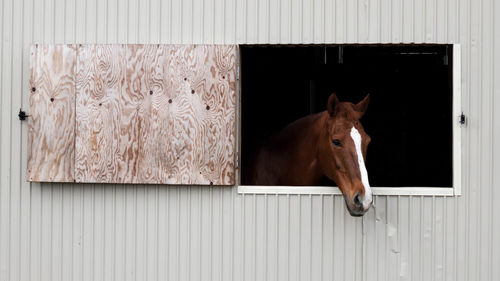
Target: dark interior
<point>408,119</point>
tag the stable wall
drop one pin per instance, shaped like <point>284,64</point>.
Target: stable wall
<point>155,232</point>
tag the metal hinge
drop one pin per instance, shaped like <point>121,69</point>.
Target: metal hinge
<point>22,115</point>
<point>237,72</point>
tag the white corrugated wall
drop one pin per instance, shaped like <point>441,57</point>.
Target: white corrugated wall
<point>135,232</point>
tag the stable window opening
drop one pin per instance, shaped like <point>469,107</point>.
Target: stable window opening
<point>412,117</point>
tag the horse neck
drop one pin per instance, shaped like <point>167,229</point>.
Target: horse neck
<point>308,145</point>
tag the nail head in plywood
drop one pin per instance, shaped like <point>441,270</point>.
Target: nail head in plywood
<point>52,115</point>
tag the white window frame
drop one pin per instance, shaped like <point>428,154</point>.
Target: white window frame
<point>454,190</point>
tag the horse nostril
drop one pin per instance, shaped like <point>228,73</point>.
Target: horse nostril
<point>356,200</point>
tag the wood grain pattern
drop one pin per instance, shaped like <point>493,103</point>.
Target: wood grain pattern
<point>101,153</point>
<point>156,114</point>
<point>52,115</point>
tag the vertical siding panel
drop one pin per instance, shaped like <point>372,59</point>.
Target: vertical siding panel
<point>485,214</point>
<point>286,21</point>
<point>275,18</point>
<point>439,239</point>
<point>441,21</point>
<point>385,21</point>
<point>262,19</point>
<point>380,232</point>
<point>340,17</point>
<point>419,21</point>
<point>205,258</point>
<point>252,21</point>
<point>111,18</point>
<point>87,232</point>
<point>46,233</point>
<point>35,241</point>
<point>154,21</point>
<point>283,237</point>
<point>15,148</point>
<point>249,237</point>
<point>316,244</point>
<point>351,21</point>
<point>66,232</point>
<point>319,21</point>
<point>56,235</point>
<point>495,247</point>
<point>327,227</point>
<point>218,11</point>
<point>463,201</point>
<point>271,245</point>
<point>370,243</point>
<point>69,21</point>
<point>405,241</point>
<point>187,22</point>
<point>150,243</point>
<point>329,20</point>
<point>25,200</point>
<point>216,225</point>
<point>339,239</point>
<point>294,232</point>
<point>363,21</point>
<point>241,21</point>
<point>77,233</point>
<point>397,21</point>
<point>98,233</point>
<point>194,235</point>
<point>197,21</point>
<point>238,237</point>
<point>430,21</point>
<point>184,203</point>
<point>161,233</point>
<point>407,21</point>
<point>143,26</point>
<point>208,21</point>
<point>452,24</point>
<point>374,21</point>
<point>227,234</point>
<point>6,87</point>
<point>260,232</point>
<point>305,238</point>
<point>230,22</point>
<point>472,250</point>
<point>108,221</point>
<point>296,19</point>
<point>307,14</point>
<point>393,250</point>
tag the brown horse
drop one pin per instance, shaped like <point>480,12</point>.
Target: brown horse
<point>331,143</point>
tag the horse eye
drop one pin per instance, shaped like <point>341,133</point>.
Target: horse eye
<point>336,142</point>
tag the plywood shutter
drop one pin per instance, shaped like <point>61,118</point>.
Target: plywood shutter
<point>51,125</point>
<point>155,114</point>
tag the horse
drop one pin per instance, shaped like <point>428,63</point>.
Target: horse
<point>330,143</point>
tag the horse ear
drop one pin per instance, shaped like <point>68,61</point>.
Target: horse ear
<point>333,101</point>
<point>363,105</point>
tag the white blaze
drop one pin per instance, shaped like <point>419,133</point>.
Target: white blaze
<point>367,199</point>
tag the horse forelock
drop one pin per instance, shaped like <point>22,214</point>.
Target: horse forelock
<point>348,111</point>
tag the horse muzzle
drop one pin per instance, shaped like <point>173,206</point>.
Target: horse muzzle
<point>358,205</point>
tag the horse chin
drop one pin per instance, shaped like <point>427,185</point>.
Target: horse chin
<point>355,213</point>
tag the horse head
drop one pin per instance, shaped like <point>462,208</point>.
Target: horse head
<point>342,152</point>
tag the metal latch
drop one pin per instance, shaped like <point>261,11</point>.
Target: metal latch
<point>462,119</point>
